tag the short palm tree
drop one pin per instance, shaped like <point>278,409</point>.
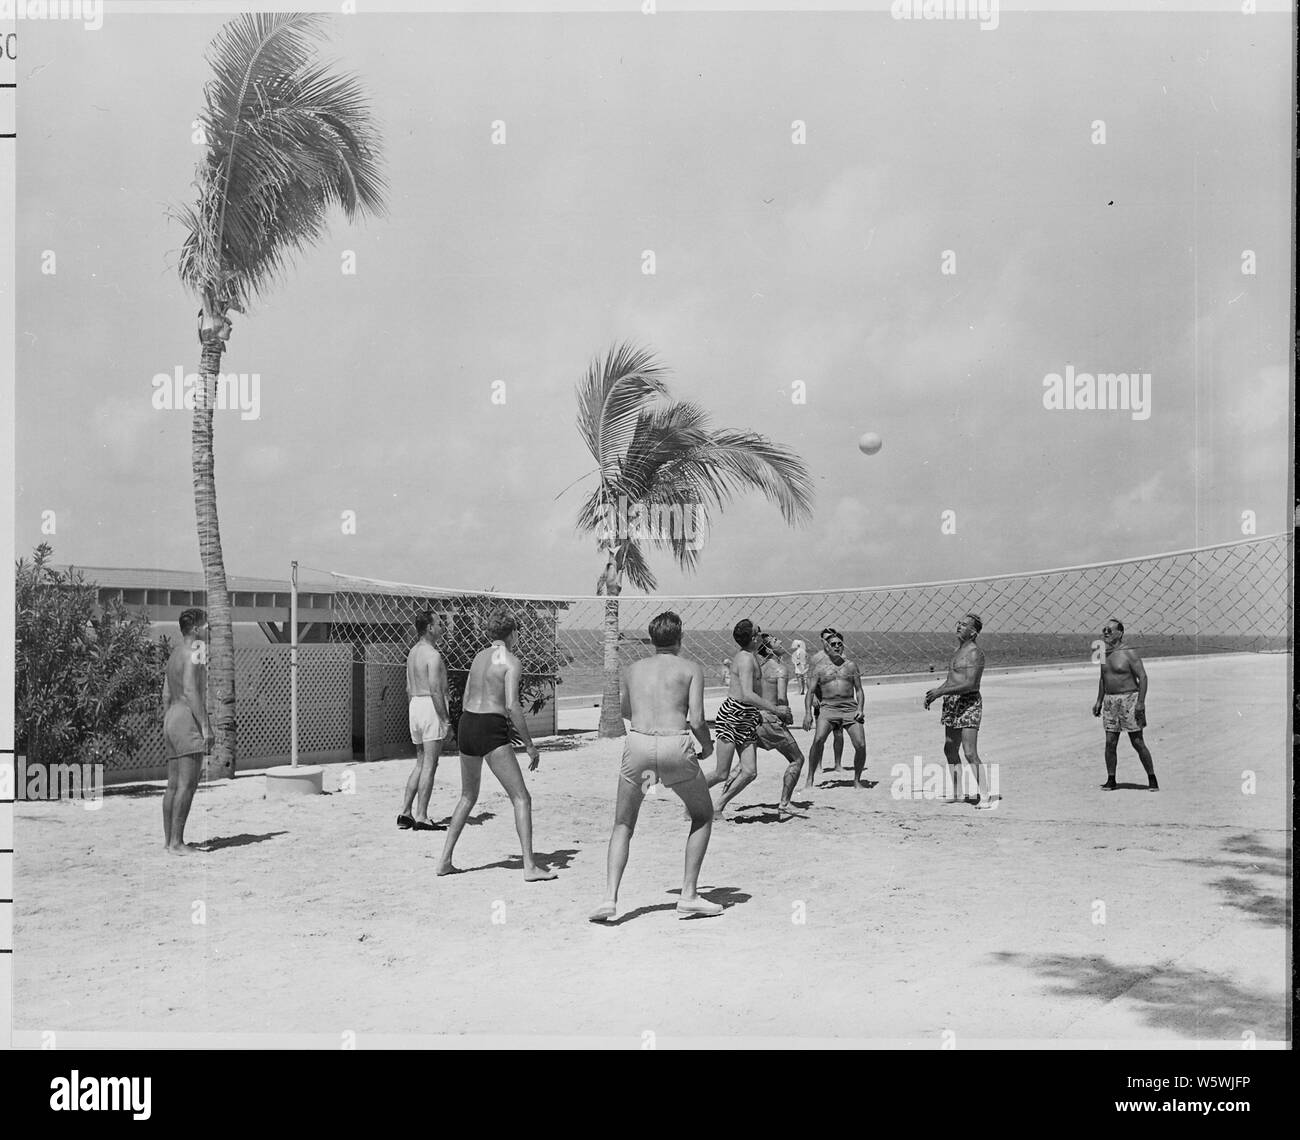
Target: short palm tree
<point>654,452</point>
<point>287,140</point>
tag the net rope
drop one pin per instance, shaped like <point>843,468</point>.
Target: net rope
<point>1233,597</point>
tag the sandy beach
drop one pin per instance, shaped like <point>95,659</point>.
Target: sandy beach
<point>1066,916</point>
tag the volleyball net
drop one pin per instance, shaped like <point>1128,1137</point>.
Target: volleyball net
<point>1234,597</point>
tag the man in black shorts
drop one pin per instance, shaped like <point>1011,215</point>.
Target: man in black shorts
<point>490,706</point>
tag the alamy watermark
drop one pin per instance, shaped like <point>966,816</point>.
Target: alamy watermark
<point>1103,392</point>
<point>653,522</point>
<point>89,12</point>
<point>985,11</point>
<point>83,782</point>
<point>236,391</point>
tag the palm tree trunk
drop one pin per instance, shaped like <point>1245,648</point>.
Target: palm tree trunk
<point>611,702</point>
<point>221,645</point>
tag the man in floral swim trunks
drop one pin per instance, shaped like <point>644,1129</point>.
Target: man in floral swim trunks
<point>1122,702</point>
<point>963,708</point>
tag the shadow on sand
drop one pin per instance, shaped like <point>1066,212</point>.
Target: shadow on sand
<point>236,840</point>
<point>726,897</point>
<point>551,860</point>
<point>770,813</point>
<point>1246,858</point>
<point>1193,1003</point>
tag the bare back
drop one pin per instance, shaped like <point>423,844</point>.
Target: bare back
<point>493,674</point>
<point>186,680</point>
<point>661,691</point>
<point>420,663</point>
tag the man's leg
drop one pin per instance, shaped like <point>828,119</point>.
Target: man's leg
<point>859,738</point>
<point>838,747</point>
<point>952,753</point>
<point>748,772</point>
<point>188,770</point>
<point>694,794</point>
<point>505,767</point>
<point>471,773</point>
<point>169,799</point>
<point>970,746</point>
<point>430,752</point>
<point>822,730</point>
<point>723,753</point>
<point>627,807</point>
<point>1144,754</point>
<point>790,780</point>
<point>1112,761</point>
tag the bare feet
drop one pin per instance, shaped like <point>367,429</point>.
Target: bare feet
<point>182,849</point>
<point>445,868</point>
<point>697,908</point>
<point>536,874</point>
<point>988,802</point>
<point>603,913</point>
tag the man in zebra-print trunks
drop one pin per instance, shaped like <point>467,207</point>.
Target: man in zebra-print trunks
<point>738,719</point>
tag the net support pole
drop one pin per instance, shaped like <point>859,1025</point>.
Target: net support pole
<point>293,664</point>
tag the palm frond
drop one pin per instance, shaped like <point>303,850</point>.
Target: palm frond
<point>288,139</point>
<point>611,397</point>
<point>636,568</point>
<point>733,462</point>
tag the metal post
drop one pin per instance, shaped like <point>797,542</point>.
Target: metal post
<point>293,667</point>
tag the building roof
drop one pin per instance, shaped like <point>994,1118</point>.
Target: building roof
<point>120,578</point>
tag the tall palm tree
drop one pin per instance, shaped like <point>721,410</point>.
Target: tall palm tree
<point>652,451</point>
<point>287,139</point>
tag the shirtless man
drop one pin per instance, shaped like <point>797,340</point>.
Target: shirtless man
<point>837,731</point>
<point>835,691</point>
<point>740,715</point>
<point>426,694</point>
<point>963,709</point>
<point>490,707</point>
<point>661,696</point>
<point>186,730</point>
<point>773,735</point>
<point>1122,702</point>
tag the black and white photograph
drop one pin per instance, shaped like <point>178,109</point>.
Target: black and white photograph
<point>641,526</point>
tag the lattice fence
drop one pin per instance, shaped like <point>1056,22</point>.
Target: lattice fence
<point>262,711</point>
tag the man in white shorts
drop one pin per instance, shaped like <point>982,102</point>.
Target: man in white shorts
<point>426,693</point>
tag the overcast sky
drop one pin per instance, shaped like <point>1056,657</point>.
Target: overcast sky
<point>775,263</point>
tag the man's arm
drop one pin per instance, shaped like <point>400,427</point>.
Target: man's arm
<point>1140,672</point>
<point>513,673</point>
<point>858,694</point>
<point>1101,690</point>
<point>625,699</point>
<point>695,711</point>
<point>196,684</point>
<point>438,686</point>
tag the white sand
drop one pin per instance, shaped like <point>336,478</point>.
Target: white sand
<point>321,917</point>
